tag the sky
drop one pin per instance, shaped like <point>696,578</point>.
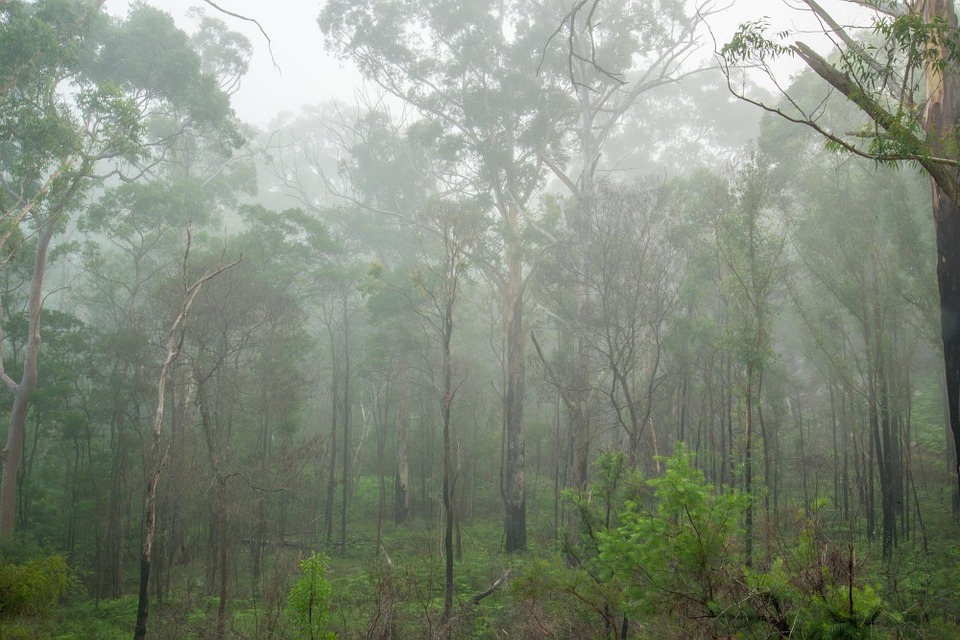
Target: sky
<point>308,75</point>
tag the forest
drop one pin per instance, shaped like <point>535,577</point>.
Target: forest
<point>579,322</point>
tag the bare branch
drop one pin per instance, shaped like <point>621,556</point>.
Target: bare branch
<point>254,21</point>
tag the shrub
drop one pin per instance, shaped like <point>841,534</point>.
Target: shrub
<point>308,604</point>
<point>32,589</point>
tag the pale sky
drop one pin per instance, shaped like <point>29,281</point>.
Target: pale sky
<point>308,75</point>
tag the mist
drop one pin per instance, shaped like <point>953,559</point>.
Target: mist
<point>393,319</point>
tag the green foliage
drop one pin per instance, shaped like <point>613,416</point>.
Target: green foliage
<point>106,620</point>
<point>750,44</point>
<point>32,589</point>
<point>681,558</point>
<point>814,588</point>
<point>909,37</point>
<point>677,551</point>
<point>308,603</point>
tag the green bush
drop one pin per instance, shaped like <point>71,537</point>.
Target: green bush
<point>32,589</point>
<point>308,604</point>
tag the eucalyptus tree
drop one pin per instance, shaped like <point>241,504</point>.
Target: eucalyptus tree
<point>287,252</point>
<point>246,349</point>
<point>904,78</point>
<point>394,172</point>
<point>62,456</point>
<point>138,225</point>
<point>873,262</point>
<point>159,452</point>
<point>695,356</point>
<point>78,89</point>
<point>631,272</point>
<point>751,250</point>
<point>634,276</point>
<point>453,228</point>
<point>610,58</point>
<point>134,236</point>
<point>469,71</point>
<point>339,308</point>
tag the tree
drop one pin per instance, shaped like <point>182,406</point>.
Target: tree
<point>906,81</point>
<point>874,264</point>
<point>467,70</point>
<point>440,287</point>
<point>609,65</point>
<point>752,253</point>
<point>62,141</point>
<point>159,454</point>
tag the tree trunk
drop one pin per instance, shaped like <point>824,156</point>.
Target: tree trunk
<point>446,403</point>
<point>157,457</point>
<point>401,485</point>
<point>514,496</point>
<point>943,118</point>
<point>332,469</point>
<point>345,479</point>
<point>941,126</point>
<point>748,465</point>
<point>13,451</point>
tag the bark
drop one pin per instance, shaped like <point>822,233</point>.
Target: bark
<point>579,417</point>
<point>345,478</point>
<point>334,413</point>
<point>220,508</point>
<point>401,490</point>
<point>884,438</point>
<point>158,454</point>
<point>942,119</point>
<point>118,510</point>
<point>158,457</point>
<point>381,418</point>
<point>512,489</point>
<point>13,451</point>
<point>748,465</point>
<point>446,404</point>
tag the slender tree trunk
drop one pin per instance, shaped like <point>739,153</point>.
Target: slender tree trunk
<point>748,465</point>
<point>722,423</point>
<point>401,485</point>
<point>884,452</point>
<point>446,404</point>
<point>731,458</point>
<point>381,418</point>
<point>836,451</point>
<point>345,479</point>
<point>158,456</point>
<point>766,436</point>
<point>332,468</point>
<point>158,459</point>
<point>579,418</point>
<point>13,451</point>
<point>514,495</point>
<point>224,573</point>
<point>803,454</point>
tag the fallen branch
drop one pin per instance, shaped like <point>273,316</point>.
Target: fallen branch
<point>475,600</point>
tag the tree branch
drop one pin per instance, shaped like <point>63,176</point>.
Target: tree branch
<point>254,21</point>
<point>938,168</point>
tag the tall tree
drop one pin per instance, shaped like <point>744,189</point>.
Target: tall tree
<point>467,70</point>
<point>908,87</point>
<point>613,57</point>
<point>76,92</point>
<point>159,453</point>
<point>752,253</point>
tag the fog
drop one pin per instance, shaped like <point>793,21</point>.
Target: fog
<point>521,319</point>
